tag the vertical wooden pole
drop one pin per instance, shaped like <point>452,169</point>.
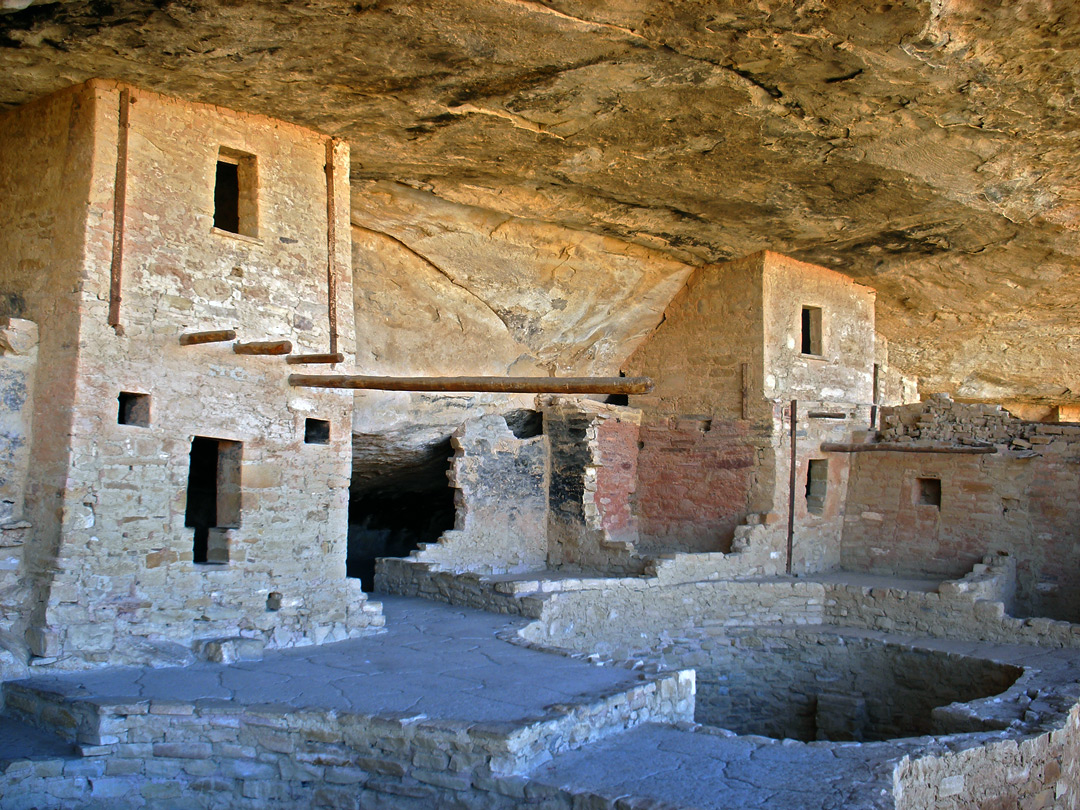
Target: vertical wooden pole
<point>331,243</point>
<point>791,485</point>
<point>744,370</point>
<point>119,209</point>
<point>874,399</point>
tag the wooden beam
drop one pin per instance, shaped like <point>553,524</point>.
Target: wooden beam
<point>744,377</point>
<point>271,347</point>
<point>214,336</point>
<point>826,415</point>
<point>892,447</point>
<point>794,461</point>
<point>502,385</point>
<point>307,359</point>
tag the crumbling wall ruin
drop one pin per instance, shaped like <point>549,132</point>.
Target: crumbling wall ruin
<point>938,514</point>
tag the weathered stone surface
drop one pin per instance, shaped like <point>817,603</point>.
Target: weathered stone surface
<point>924,148</point>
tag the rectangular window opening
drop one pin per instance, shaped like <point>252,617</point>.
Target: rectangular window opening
<point>213,497</point>
<point>236,193</point>
<point>316,431</point>
<point>817,484</point>
<point>134,409</point>
<point>811,331</point>
<point>928,491</point>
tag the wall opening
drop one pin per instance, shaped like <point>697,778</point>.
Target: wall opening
<point>134,409</point>
<point>928,491</point>
<point>397,505</point>
<point>525,424</point>
<point>817,485</point>
<point>213,497</point>
<point>316,431</point>
<point>235,193</point>
<point>811,331</point>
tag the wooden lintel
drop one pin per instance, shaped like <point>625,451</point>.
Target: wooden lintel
<point>213,336</point>
<point>826,415</point>
<point>892,447</point>
<point>306,359</point>
<point>503,385</point>
<point>271,347</point>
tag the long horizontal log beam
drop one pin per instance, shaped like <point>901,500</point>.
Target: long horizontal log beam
<point>883,447</point>
<point>501,385</point>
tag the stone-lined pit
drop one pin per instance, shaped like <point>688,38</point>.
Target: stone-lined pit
<point>813,686</point>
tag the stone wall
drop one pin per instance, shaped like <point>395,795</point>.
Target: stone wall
<point>627,617</point>
<point>808,685</point>
<point>841,370</point>
<point>616,492</point>
<point>18,364</point>
<point>501,502</point>
<point>1039,771</point>
<point>1010,501</point>
<point>46,152</point>
<point>144,753</point>
<point>939,419</point>
<point>583,450</point>
<point>730,354</point>
<point>116,578</point>
<point>694,482</point>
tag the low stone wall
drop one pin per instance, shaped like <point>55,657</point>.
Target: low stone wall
<point>979,772</point>
<point>408,577</point>
<point>940,420</point>
<point>215,753</point>
<point>633,616</point>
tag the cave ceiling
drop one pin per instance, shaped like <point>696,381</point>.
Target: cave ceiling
<point>927,149</point>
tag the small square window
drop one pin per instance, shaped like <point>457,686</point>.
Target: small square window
<point>134,409</point>
<point>817,485</point>
<point>316,431</point>
<point>811,331</point>
<point>928,492</point>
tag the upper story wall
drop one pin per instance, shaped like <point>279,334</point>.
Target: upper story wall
<point>751,311</point>
<point>826,354</point>
<point>710,329</point>
<point>179,271</point>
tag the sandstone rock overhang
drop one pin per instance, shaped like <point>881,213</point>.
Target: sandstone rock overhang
<point>922,148</point>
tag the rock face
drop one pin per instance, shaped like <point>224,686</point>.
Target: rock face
<point>923,148</point>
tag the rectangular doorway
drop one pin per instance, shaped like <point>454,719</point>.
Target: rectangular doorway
<point>213,497</point>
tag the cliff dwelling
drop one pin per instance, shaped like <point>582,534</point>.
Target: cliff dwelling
<point>537,403</point>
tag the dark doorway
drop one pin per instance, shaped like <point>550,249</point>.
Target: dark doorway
<point>213,496</point>
<point>227,197</point>
<point>201,511</point>
<point>411,503</point>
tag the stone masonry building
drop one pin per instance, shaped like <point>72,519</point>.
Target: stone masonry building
<point>772,573</point>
